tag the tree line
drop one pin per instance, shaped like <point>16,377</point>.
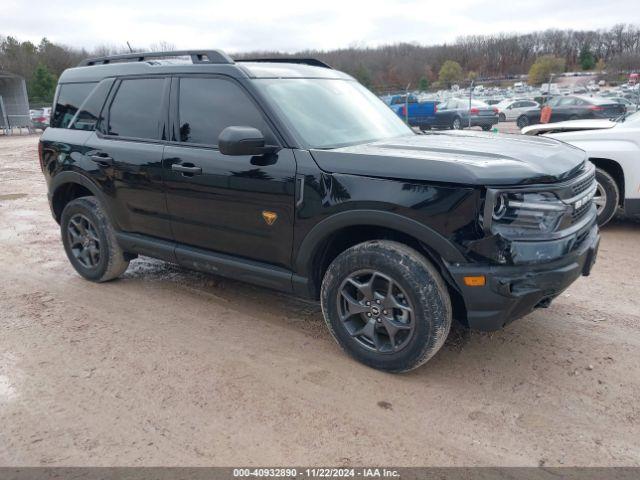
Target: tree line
<point>386,67</point>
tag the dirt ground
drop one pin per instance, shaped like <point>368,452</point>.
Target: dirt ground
<point>170,367</point>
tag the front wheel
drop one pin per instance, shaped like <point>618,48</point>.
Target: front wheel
<point>486,128</point>
<point>456,124</point>
<point>502,117</point>
<point>90,242</point>
<point>607,196</point>
<point>523,121</point>
<point>386,305</point>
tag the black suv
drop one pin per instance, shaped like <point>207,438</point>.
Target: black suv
<point>291,175</point>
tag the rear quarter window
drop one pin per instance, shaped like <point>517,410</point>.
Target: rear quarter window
<point>91,109</point>
<point>70,97</point>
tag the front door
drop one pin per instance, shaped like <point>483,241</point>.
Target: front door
<point>238,205</point>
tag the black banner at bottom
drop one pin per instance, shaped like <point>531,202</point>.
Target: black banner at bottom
<point>398,473</point>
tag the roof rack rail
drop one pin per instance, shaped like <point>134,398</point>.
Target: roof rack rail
<point>197,56</point>
<point>303,61</point>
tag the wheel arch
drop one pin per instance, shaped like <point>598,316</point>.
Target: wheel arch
<point>333,235</point>
<point>614,169</point>
<point>68,186</point>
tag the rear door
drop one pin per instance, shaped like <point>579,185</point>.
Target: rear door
<point>239,205</point>
<point>126,153</point>
<point>524,106</point>
<point>517,108</point>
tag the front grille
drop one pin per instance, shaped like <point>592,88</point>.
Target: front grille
<point>583,184</point>
<point>578,213</point>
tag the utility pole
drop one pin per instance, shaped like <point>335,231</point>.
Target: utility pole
<point>406,105</point>
<point>470,97</point>
<point>549,88</point>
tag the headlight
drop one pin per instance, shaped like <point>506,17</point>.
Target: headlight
<point>514,214</point>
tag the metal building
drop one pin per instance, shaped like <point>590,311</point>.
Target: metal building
<point>14,103</point>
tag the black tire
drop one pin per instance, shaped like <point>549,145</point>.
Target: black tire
<point>417,285</point>
<point>574,117</point>
<point>607,197</point>
<point>502,117</point>
<point>106,260</point>
<point>486,128</point>
<point>522,121</point>
<point>456,123</point>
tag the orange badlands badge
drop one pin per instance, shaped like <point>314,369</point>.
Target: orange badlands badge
<point>269,217</point>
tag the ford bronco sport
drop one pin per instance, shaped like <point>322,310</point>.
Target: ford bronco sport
<point>291,175</point>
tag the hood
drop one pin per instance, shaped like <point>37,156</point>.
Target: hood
<point>463,157</point>
<point>570,126</point>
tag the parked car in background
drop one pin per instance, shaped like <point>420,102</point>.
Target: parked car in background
<point>629,105</point>
<point>40,117</point>
<point>510,109</point>
<point>458,113</point>
<point>416,113</point>
<point>614,148</point>
<point>573,107</point>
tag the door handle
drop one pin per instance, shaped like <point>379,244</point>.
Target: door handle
<point>102,159</point>
<point>193,170</point>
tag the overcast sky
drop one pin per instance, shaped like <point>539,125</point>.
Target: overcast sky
<point>242,25</point>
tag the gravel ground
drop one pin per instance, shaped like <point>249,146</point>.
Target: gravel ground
<point>170,367</point>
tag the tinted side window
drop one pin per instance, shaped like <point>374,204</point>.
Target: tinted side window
<point>209,105</point>
<point>87,118</point>
<point>70,97</point>
<point>135,110</point>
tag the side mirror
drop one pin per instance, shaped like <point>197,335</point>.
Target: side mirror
<point>238,141</point>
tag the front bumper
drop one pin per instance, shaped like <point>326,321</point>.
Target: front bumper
<point>512,292</point>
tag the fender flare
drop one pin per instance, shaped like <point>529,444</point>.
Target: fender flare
<point>379,218</point>
<point>68,177</point>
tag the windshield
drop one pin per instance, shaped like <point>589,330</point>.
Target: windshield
<point>329,113</point>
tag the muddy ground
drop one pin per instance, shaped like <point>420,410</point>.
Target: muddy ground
<point>171,367</point>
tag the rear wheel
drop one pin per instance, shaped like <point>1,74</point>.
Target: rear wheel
<point>486,128</point>
<point>502,117</point>
<point>607,197</point>
<point>89,241</point>
<point>456,124</point>
<point>523,121</point>
<point>386,305</point>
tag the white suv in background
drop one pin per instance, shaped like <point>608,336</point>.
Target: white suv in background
<point>614,147</point>
<point>510,109</point>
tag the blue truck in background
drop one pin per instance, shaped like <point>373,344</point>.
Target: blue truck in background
<point>420,114</point>
<point>454,113</point>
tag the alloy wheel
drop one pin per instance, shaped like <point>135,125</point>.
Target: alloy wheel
<point>600,198</point>
<point>376,311</point>
<point>84,241</point>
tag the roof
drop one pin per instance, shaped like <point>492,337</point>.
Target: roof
<point>200,61</point>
